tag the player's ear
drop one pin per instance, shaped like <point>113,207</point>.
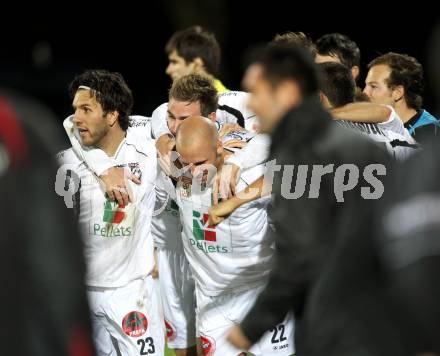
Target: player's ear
<point>398,93</point>
<point>289,93</point>
<point>324,100</point>
<point>199,66</point>
<point>355,72</point>
<point>112,117</point>
<point>212,116</point>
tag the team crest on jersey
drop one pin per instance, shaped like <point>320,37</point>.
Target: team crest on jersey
<point>134,169</point>
<point>185,183</point>
<point>171,331</point>
<point>208,345</point>
<point>135,324</point>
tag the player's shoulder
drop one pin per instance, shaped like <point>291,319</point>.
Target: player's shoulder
<point>140,127</point>
<point>142,139</point>
<point>232,97</point>
<point>68,156</point>
<point>160,110</point>
<point>243,135</point>
<point>140,121</point>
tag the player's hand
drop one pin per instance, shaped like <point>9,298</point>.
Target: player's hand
<point>225,182</point>
<point>218,213</point>
<point>167,157</point>
<point>165,144</point>
<point>116,184</point>
<point>227,128</point>
<point>237,338</point>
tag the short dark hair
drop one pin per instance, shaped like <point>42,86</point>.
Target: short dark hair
<point>405,71</point>
<point>195,87</point>
<point>109,90</point>
<point>337,84</point>
<point>336,44</point>
<point>298,38</point>
<point>281,61</point>
<point>196,42</point>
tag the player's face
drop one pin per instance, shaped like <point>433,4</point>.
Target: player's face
<point>178,67</point>
<point>89,118</point>
<point>179,111</point>
<point>263,98</point>
<point>202,160</point>
<point>376,87</point>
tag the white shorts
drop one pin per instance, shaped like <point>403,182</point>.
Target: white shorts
<point>217,315</point>
<point>178,298</point>
<point>127,320</point>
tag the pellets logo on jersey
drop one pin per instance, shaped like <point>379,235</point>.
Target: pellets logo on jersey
<point>171,332</point>
<point>118,222</point>
<point>135,324</point>
<point>113,213</point>
<point>201,229</point>
<point>208,345</point>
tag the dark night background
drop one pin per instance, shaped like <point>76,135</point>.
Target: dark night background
<point>42,51</point>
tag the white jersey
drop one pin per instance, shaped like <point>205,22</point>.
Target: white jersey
<point>232,108</point>
<point>236,254</point>
<point>165,222</point>
<point>166,227</point>
<point>118,245</point>
<point>392,133</point>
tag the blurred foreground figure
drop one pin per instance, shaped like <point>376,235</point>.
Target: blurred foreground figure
<point>380,288</point>
<point>410,242</point>
<point>43,307</point>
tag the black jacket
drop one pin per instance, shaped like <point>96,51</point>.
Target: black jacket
<point>307,229</point>
<point>43,306</point>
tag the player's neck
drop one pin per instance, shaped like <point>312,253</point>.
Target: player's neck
<point>111,141</point>
<point>405,113</point>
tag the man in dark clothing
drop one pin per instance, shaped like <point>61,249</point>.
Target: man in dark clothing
<point>284,94</point>
<point>380,293</point>
<point>43,307</point>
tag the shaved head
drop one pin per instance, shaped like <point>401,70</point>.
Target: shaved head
<point>199,147</point>
<point>196,133</point>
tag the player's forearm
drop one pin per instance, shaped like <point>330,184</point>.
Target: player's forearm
<point>253,154</point>
<point>253,192</point>
<point>362,112</point>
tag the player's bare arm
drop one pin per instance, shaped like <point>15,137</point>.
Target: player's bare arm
<point>362,112</point>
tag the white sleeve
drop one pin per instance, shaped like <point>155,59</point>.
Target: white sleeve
<point>253,154</point>
<point>394,123</point>
<point>159,124</point>
<point>95,158</point>
<point>236,101</point>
